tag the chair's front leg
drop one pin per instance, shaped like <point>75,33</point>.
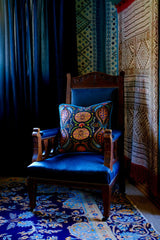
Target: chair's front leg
<point>106,195</point>
<point>32,189</point>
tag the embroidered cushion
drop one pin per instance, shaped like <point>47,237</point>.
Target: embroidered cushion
<point>82,128</point>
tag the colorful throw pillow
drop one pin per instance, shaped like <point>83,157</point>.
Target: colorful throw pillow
<point>82,128</point>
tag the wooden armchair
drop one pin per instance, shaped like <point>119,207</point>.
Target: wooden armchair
<point>94,159</point>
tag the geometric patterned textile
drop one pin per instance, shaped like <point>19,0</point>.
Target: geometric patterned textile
<point>97,36</point>
<point>63,213</point>
<point>82,128</point>
<point>121,5</point>
<point>138,57</point>
<point>86,36</point>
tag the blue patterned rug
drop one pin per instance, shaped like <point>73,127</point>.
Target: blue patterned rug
<point>67,214</point>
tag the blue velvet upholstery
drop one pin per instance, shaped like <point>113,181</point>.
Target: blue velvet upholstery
<point>49,132</point>
<point>116,134</point>
<point>89,96</point>
<point>84,167</point>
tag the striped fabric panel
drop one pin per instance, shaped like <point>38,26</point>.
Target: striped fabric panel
<point>139,59</point>
<point>140,17</point>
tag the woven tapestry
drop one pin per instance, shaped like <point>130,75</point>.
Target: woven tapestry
<point>138,29</point>
<point>97,36</point>
<point>121,5</point>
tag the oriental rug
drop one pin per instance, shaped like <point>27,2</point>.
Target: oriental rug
<point>138,57</point>
<point>67,214</point>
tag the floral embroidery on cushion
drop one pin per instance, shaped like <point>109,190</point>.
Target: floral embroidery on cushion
<point>81,133</point>
<point>82,128</point>
<point>82,116</point>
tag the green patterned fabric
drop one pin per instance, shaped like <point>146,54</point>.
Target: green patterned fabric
<point>82,128</point>
<point>97,36</point>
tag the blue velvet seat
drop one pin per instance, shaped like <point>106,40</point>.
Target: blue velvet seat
<point>83,167</point>
<point>93,169</point>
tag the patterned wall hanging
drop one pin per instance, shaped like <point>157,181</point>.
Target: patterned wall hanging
<point>138,29</point>
<point>97,36</point>
<point>121,5</point>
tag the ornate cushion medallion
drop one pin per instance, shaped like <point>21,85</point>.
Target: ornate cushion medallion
<point>82,128</point>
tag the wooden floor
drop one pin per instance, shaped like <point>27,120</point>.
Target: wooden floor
<point>146,207</point>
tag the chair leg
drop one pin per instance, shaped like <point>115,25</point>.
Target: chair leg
<point>32,189</point>
<point>106,194</point>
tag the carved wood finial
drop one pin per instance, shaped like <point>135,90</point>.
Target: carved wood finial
<point>37,146</point>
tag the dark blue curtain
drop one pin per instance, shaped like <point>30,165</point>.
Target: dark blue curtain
<point>37,49</point>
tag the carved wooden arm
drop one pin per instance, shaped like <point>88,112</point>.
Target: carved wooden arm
<point>44,143</point>
<point>110,149</point>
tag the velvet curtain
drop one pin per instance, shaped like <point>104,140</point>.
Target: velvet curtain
<point>37,49</point>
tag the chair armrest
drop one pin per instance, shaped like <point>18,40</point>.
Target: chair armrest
<point>110,147</point>
<point>49,133</point>
<point>44,143</point>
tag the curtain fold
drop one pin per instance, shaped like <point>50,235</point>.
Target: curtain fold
<point>37,49</point>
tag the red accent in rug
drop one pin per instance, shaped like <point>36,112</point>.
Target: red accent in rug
<point>123,4</point>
